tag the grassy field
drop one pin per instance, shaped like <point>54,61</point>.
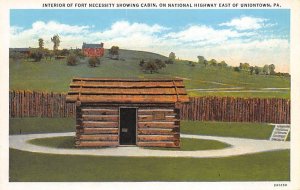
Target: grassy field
<point>55,142</point>
<point>244,94</point>
<point>186,144</point>
<point>40,125</point>
<point>26,166</point>
<point>226,129</point>
<point>55,76</point>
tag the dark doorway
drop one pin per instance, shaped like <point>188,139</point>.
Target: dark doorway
<point>127,126</point>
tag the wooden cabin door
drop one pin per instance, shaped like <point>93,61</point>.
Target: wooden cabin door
<point>127,126</point>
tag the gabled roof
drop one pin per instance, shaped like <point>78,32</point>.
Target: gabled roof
<point>104,90</point>
<point>85,45</point>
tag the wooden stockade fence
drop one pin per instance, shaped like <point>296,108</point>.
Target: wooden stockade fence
<point>272,110</point>
<point>39,104</point>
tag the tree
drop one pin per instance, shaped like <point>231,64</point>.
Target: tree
<point>222,64</point>
<point>251,70</point>
<point>205,62</point>
<point>244,66</point>
<point>64,52</point>
<point>266,70</point>
<point>79,53</point>
<point>41,43</point>
<point>213,62</point>
<point>172,56</point>
<point>142,62</point>
<point>257,70</point>
<point>152,65</point>
<point>237,69</point>
<point>169,61</point>
<point>36,56</point>
<point>56,41</point>
<point>272,69</point>
<point>94,61</point>
<point>160,63</point>
<point>114,52</point>
<point>201,59</point>
<point>192,64</point>
<point>72,60</point>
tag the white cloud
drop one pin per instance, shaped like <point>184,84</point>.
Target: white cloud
<point>15,29</point>
<point>233,46</point>
<point>204,35</point>
<point>21,37</point>
<point>125,29</point>
<point>246,23</point>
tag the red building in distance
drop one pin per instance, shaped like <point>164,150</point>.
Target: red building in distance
<point>93,50</point>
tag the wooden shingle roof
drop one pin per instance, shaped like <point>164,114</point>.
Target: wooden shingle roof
<point>103,90</point>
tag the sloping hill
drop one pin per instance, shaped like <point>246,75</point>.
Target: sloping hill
<point>55,75</point>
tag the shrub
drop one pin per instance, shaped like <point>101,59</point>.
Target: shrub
<point>64,52</point>
<point>17,55</point>
<point>79,53</point>
<point>36,56</point>
<point>142,62</point>
<point>94,61</point>
<point>237,69</point>
<point>169,61</point>
<point>152,65</point>
<point>192,64</point>
<point>72,60</point>
<point>114,52</point>
<point>160,64</point>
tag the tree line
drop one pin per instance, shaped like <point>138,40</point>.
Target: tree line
<point>72,55</point>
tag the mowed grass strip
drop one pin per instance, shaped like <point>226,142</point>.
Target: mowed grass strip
<point>227,129</point>
<point>186,144</point>
<point>242,94</point>
<point>38,167</point>
<point>40,125</point>
<point>55,142</point>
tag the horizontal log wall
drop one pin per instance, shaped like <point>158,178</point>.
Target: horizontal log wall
<point>97,126</point>
<point>272,110</point>
<point>158,127</point>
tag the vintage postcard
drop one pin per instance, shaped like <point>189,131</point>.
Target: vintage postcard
<point>156,94</point>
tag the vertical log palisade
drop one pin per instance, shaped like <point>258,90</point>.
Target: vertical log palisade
<point>150,111</point>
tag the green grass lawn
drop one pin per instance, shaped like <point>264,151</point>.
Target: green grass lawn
<point>227,129</point>
<point>55,142</point>
<point>40,125</point>
<point>278,94</point>
<point>186,144</point>
<point>38,167</point>
<point>26,166</point>
<point>55,75</point>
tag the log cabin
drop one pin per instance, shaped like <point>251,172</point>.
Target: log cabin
<point>122,112</point>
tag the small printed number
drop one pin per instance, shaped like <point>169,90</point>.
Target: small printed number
<point>280,185</point>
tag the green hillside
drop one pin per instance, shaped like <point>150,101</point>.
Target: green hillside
<point>55,75</point>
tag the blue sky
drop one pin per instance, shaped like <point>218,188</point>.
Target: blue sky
<point>253,36</point>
